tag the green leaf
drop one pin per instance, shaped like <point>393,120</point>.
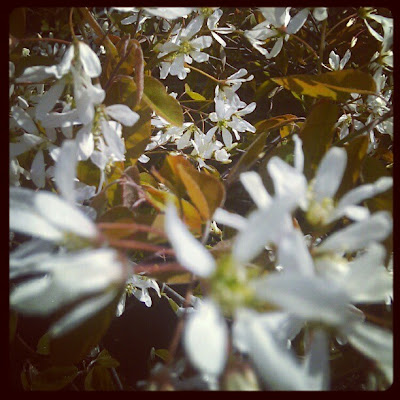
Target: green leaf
<point>138,136</point>
<point>105,360</point>
<point>205,191</point>
<point>356,152</point>
<point>157,98</point>
<point>88,173</point>
<point>162,353</point>
<point>99,378</point>
<point>194,95</point>
<point>54,378</point>
<point>159,198</point>
<point>336,85</point>
<point>317,134</point>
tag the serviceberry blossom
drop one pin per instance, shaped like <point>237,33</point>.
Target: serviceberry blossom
<point>336,63</point>
<point>183,48</point>
<point>228,115</point>
<point>278,25</point>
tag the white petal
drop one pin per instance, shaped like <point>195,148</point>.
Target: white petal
<point>227,137</point>
<point>90,61</point>
<point>330,173</point>
<point>320,13</point>
<point>290,184</point>
<point>193,27</point>
<point>123,114</point>
<point>276,49</point>
<point>49,99</point>
<point>254,185</point>
<point>113,141</point>
<point>277,366</point>
<point>293,254</point>
<point>27,141</point>
<point>310,298</point>
<point>367,191</point>
<point>169,12</point>
<point>81,314</point>
<point>317,362</point>
<point>85,142</point>
<point>24,120</point>
<point>65,170</point>
<point>358,234</point>
<point>38,170</point>
<point>264,226</point>
<point>375,343</point>
<point>298,154</point>
<point>199,56</point>
<point>229,219</point>
<point>37,73</point>
<point>189,252</point>
<point>205,338</point>
<point>201,42</point>
<point>63,216</point>
<point>297,21</point>
<point>367,279</point>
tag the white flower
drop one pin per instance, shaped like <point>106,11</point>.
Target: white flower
<point>278,24</point>
<point>336,63</point>
<point>231,85</point>
<point>228,115</point>
<point>184,49</point>
<point>212,24</point>
<point>139,286</point>
<point>78,66</point>
<point>318,199</point>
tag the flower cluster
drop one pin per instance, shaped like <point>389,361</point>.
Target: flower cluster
<point>244,154</point>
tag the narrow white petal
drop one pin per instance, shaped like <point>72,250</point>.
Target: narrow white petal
<point>298,154</point>
<point>314,298</point>
<point>367,279</point>
<point>201,42</point>
<point>264,226</point>
<point>229,219</point>
<point>113,141</point>
<point>63,216</point>
<point>205,339</point>
<point>65,170</point>
<point>81,314</point>
<point>24,120</point>
<point>375,343</point>
<point>189,252</point>
<point>317,362</point>
<point>330,173</point>
<point>254,185</point>
<point>293,254</point>
<point>363,192</point>
<point>289,183</point>
<point>49,99</point>
<point>297,21</point>
<point>90,61</point>
<point>123,114</point>
<point>359,234</point>
<point>38,170</point>
<point>278,367</point>
<point>227,137</point>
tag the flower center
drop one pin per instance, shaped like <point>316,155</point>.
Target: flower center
<point>319,212</point>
